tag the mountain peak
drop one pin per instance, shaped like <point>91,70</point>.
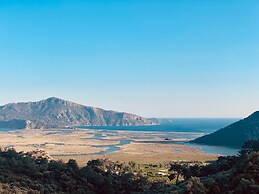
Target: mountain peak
<point>54,99</point>
<point>254,115</point>
<point>57,101</point>
<point>54,112</point>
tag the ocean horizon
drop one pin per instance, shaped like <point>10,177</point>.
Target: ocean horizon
<point>188,125</point>
<point>181,130</point>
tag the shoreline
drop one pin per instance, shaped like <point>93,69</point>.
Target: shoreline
<point>132,131</point>
<point>83,145</point>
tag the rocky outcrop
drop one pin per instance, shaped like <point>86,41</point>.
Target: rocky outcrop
<point>58,113</point>
<point>37,154</point>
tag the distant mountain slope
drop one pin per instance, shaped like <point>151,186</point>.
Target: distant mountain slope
<point>234,135</point>
<point>55,112</point>
<point>13,124</point>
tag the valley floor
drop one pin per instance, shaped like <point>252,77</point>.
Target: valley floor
<point>83,145</point>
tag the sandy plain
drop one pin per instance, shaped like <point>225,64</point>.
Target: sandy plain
<point>84,145</point>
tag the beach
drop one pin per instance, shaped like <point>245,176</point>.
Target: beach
<point>124,146</point>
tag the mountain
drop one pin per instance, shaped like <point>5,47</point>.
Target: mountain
<point>13,124</point>
<point>235,134</point>
<point>57,113</point>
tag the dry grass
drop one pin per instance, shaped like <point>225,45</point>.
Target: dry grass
<point>77,143</point>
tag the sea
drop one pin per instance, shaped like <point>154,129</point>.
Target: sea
<point>178,128</point>
<point>207,125</point>
<point>184,128</point>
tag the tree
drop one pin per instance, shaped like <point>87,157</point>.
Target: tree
<point>249,146</point>
<point>73,165</point>
<point>132,164</point>
<point>179,170</point>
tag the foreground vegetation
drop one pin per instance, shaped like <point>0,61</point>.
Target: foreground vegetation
<point>232,174</point>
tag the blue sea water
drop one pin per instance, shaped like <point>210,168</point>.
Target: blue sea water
<point>218,150</point>
<point>182,128</point>
<point>179,128</point>
<point>207,125</point>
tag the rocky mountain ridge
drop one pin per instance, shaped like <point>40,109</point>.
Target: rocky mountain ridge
<point>57,113</point>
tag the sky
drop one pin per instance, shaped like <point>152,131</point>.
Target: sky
<point>154,58</point>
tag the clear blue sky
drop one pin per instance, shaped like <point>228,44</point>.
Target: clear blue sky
<point>155,58</point>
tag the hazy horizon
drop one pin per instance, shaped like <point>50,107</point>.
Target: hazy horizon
<point>163,59</point>
<point>133,113</point>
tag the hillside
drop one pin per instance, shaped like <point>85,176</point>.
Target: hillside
<point>232,174</point>
<point>235,134</point>
<point>58,113</point>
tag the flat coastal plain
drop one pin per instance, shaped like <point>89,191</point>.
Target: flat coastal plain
<point>84,145</point>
